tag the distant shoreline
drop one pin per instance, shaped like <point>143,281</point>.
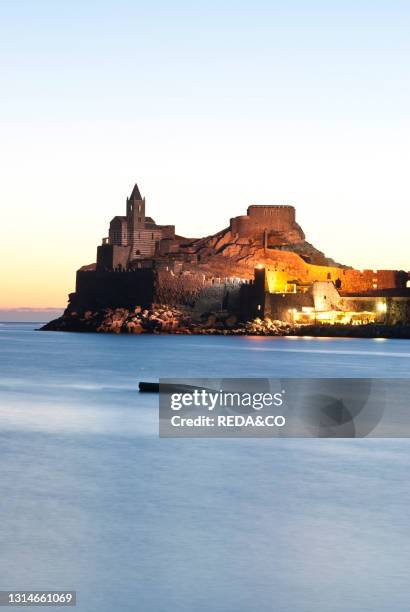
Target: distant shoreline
<point>29,315</point>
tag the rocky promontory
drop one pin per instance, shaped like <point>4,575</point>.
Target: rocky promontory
<point>179,321</point>
<point>163,320</point>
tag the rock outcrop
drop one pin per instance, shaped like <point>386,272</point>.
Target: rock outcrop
<point>171,320</point>
<point>226,254</point>
<point>163,320</point>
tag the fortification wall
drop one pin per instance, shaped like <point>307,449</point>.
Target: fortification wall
<point>357,281</point>
<point>281,217</point>
<point>297,269</point>
<point>267,218</point>
<point>349,280</point>
<point>197,291</point>
<point>325,296</point>
<point>278,306</point>
<point>178,288</point>
<point>100,289</point>
<point>112,256</point>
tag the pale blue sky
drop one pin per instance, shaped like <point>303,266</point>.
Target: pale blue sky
<point>277,60</point>
<point>211,106</point>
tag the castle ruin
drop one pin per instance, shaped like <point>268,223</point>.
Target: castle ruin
<point>142,261</point>
<point>272,224</point>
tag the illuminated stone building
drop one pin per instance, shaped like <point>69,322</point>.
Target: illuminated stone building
<point>133,236</point>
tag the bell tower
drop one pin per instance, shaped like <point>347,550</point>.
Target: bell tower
<point>135,216</point>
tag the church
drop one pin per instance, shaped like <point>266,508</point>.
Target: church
<point>133,236</point>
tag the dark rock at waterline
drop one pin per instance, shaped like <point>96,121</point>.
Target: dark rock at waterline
<point>162,320</point>
<point>170,320</point>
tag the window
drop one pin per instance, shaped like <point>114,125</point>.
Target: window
<point>137,252</point>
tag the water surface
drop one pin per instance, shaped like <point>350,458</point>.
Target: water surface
<point>93,500</point>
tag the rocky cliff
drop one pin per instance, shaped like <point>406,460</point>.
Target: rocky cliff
<point>229,254</point>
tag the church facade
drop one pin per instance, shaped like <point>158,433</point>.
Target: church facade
<point>132,237</point>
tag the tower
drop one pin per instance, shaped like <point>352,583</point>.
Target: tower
<point>135,216</point>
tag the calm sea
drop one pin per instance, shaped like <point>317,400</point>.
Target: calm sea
<point>92,500</point>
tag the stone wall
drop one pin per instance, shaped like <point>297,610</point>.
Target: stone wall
<point>347,279</point>
<point>112,256</point>
<point>357,281</point>
<point>100,289</point>
<point>398,311</point>
<point>182,288</point>
<point>200,293</point>
<point>217,298</point>
<point>261,219</point>
<point>325,296</point>
<point>278,306</point>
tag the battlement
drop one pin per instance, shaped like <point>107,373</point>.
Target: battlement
<point>272,224</point>
<point>253,208</point>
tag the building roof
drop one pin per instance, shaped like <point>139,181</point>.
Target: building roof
<point>135,194</point>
